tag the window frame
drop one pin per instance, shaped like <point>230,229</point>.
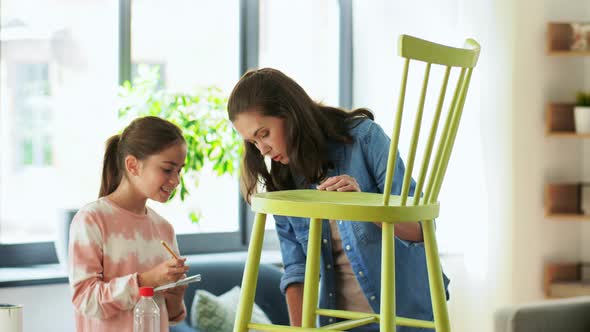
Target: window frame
<point>39,253</point>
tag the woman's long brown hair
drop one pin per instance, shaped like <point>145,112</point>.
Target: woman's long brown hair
<point>142,138</point>
<point>309,129</point>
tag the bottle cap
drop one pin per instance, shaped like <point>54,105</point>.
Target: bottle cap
<point>146,291</point>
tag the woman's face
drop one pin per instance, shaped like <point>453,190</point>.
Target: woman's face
<point>267,133</point>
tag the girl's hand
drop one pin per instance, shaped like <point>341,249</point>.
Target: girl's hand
<point>174,300</point>
<point>164,273</point>
<point>339,183</point>
<point>176,293</point>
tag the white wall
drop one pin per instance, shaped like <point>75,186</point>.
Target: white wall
<point>46,308</point>
<point>537,159</point>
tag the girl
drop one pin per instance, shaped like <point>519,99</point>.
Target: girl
<point>115,241</point>
<point>315,146</point>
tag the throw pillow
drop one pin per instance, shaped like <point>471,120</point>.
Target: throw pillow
<point>210,313</point>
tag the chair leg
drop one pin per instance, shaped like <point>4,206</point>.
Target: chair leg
<point>244,312</point>
<point>312,274</point>
<point>387,311</point>
<point>437,288</point>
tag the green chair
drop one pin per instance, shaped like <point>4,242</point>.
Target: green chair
<point>370,207</point>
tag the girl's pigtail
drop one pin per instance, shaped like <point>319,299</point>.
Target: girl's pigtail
<point>111,176</point>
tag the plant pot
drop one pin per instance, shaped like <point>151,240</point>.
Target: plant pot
<point>62,239</point>
<point>582,119</point>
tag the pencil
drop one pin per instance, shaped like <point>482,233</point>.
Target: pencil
<point>169,250</point>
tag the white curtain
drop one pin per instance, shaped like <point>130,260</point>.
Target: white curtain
<point>474,232</point>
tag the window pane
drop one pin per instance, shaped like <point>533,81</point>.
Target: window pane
<point>58,66</point>
<point>32,112</point>
<point>192,44</point>
<point>301,38</point>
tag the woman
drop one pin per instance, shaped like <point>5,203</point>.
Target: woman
<point>315,146</point>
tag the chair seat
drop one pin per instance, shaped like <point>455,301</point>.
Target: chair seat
<point>357,206</point>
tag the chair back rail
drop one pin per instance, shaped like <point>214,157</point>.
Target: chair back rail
<point>416,49</point>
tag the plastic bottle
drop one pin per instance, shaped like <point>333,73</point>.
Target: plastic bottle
<point>146,315</point>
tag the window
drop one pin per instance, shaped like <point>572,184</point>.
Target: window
<point>61,65</point>
<point>32,116</point>
<point>191,54</point>
<point>59,73</point>
<point>160,68</point>
<point>307,52</point>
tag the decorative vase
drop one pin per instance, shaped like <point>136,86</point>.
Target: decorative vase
<point>582,119</point>
<point>62,239</point>
<point>580,37</point>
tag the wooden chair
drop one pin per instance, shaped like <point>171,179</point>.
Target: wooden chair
<point>370,207</point>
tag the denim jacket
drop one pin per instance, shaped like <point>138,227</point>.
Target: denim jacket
<point>365,160</point>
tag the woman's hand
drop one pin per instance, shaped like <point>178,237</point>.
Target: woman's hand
<point>164,273</point>
<point>405,231</point>
<point>339,183</point>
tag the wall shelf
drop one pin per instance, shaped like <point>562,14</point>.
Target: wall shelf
<point>559,119</point>
<point>563,201</point>
<point>568,53</point>
<point>564,134</point>
<point>564,280</point>
<point>568,216</point>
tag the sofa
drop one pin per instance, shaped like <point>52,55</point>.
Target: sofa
<point>561,315</point>
<point>220,273</point>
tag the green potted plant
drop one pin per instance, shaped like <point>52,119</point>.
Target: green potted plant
<point>582,113</point>
<point>201,114</point>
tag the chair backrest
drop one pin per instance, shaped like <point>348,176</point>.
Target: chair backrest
<point>465,59</point>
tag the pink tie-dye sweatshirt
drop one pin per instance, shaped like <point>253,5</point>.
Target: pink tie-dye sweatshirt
<point>109,246</point>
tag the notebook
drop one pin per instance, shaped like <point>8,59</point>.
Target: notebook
<point>185,281</point>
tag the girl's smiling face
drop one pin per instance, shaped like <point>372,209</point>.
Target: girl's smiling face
<point>159,174</point>
<point>266,133</point>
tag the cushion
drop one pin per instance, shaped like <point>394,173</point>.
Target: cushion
<point>210,313</point>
